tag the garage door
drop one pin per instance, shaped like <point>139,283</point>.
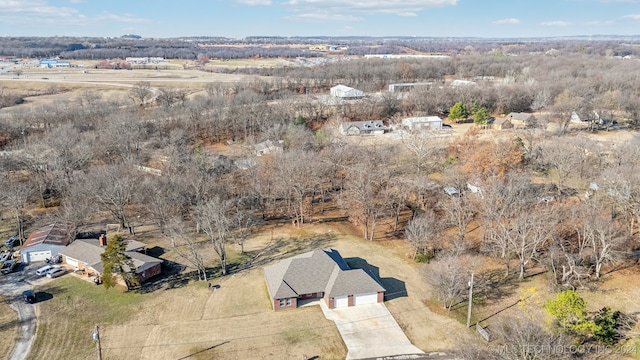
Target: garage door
<point>361,299</point>
<point>340,301</point>
<point>72,261</point>
<point>39,255</point>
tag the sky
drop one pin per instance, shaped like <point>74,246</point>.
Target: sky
<point>242,18</point>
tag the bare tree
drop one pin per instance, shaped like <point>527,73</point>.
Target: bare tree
<point>423,232</point>
<point>113,188</point>
<point>459,214</point>
<point>187,246</point>
<point>423,146</point>
<point>213,218</point>
<point>15,195</point>
<point>141,92</point>
<point>448,277</point>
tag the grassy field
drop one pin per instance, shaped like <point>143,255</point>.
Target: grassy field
<point>69,311</point>
<point>8,327</point>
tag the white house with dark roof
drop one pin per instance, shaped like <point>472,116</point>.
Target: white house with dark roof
<point>320,274</point>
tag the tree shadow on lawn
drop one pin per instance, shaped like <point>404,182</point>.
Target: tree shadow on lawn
<point>285,247</point>
<point>492,286</point>
<point>394,288</point>
<point>171,277</point>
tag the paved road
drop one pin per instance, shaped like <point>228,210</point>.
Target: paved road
<point>12,285</point>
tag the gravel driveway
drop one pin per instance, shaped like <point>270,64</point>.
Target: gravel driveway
<point>370,331</point>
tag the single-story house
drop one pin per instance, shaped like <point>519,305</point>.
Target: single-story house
<point>370,127</point>
<point>268,147</point>
<point>320,274</point>
<point>521,120</point>
<point>501,124</point>
<point>423,122</point>
<point>84,254</point>
<point>47,241</point>
<point>405,87</point>
<point>345,92</point>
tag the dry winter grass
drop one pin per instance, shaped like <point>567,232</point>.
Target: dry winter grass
<point>8,327</point>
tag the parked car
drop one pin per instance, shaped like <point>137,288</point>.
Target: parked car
<point>12,241</point>
<point>52,268</point>
<point>29,297</point>
<point>56,273</point>
<point>44,270</point>
<point>5,255</point>
<point>8,266</point>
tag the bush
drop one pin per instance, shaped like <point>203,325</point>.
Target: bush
<point>424,258</point>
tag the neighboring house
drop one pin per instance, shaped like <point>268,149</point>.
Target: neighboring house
<point>320,274</point>
<point>405,87</point>
<point>345,92</point>
<point>424,122</point>
<point>47,241</point>
<point>521,120</point>
<point>371,127</point>
<point>268,147</point>
<point>459,83</point>
<point>501,124</point>
<point>53,63</point>
<point>84,254</point>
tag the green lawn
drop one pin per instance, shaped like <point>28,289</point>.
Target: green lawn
<point>69,309</point>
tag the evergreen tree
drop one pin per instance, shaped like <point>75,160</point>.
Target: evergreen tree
<point>117,263</point>
<point>458,112</point>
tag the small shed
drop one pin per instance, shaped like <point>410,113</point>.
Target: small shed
<point>521,120</point>
<point>501,124</point>
<point>345,92</point>
<point>268,147</point>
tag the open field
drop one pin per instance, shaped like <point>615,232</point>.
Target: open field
<point>8,327</point>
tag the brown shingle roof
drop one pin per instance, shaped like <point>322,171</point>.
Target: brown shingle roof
<point>57,233</point>
<point>317,271</point>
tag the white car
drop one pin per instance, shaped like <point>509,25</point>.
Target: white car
<point>54,273</point>
<point>44,270</point>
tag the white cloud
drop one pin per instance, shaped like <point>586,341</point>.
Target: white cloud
<point>599,23</point>
<point>323,18</point>
<point>632,16</point>
<point>555,23</point>
<point>41,12</point>
<point>255,2</point>
<point>125,18</point>
<point>511,21</point>
<point>366,7</point>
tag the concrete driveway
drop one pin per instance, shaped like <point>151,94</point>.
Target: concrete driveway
<point>369,331</point>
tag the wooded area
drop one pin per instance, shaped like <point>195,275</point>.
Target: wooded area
<point>550,196</point>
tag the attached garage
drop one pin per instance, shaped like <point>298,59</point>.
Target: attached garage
<point>71,261</point>
<point>341,301</point>
<point>362,299</point>
<point>33,256</point>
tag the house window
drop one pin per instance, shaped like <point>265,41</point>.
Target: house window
<point>282,302</point>
<point>289,302</point>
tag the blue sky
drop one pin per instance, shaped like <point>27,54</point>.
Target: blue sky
<point>240,18</point>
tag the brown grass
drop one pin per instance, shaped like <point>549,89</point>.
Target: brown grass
<point>8,327</point>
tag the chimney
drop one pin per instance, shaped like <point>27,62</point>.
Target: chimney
<point>102,240</point>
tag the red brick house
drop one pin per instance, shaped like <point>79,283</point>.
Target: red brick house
<point>84,254</point>
<point>320,274</point>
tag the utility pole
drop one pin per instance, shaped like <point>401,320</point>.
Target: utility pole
<point>96,338</point>
<point>470,300</point>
